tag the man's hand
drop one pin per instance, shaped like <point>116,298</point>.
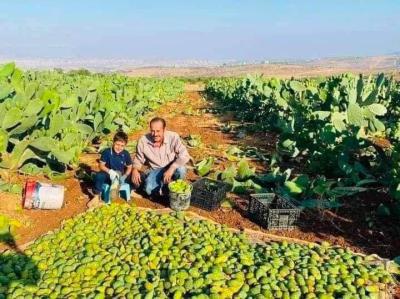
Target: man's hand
<point>168,175</point>
<point>113,175</point>
<point>136,179</point>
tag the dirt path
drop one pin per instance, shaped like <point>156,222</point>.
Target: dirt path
<point>188,116</point>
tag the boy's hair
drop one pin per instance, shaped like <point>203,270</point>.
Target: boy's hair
<point>159,119</point>
<point>120,136</point>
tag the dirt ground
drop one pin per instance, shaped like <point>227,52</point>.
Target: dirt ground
<point>345,227</point>
<point>313,68</point>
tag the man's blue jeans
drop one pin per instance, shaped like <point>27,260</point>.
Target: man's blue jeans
<point>153,182</point>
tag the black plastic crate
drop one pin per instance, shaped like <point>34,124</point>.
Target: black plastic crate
<point>273,211</point>
<point>205,198</point>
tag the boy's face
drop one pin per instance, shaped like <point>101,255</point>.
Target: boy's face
<point>119,146</point>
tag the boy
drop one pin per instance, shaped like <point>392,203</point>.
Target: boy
<point>115,163</point>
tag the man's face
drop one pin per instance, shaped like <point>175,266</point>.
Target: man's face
<point>157,131</point>
<point>119,146</point>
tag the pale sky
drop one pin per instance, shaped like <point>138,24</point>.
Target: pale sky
<point>212,30</point>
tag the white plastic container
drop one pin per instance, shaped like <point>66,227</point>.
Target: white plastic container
<point>43,196</point>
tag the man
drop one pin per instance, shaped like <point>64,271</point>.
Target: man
<point>164,154</point>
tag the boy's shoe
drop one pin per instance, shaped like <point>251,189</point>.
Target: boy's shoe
<point>95,202</point>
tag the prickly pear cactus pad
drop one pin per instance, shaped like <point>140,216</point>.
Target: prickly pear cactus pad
<point>119,252</point>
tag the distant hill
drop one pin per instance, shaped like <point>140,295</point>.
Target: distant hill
<point>284,69</point>
<point>229,67</point>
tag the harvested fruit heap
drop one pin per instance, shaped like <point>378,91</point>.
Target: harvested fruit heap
<point>117,251</point>
<point>180,186</point>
